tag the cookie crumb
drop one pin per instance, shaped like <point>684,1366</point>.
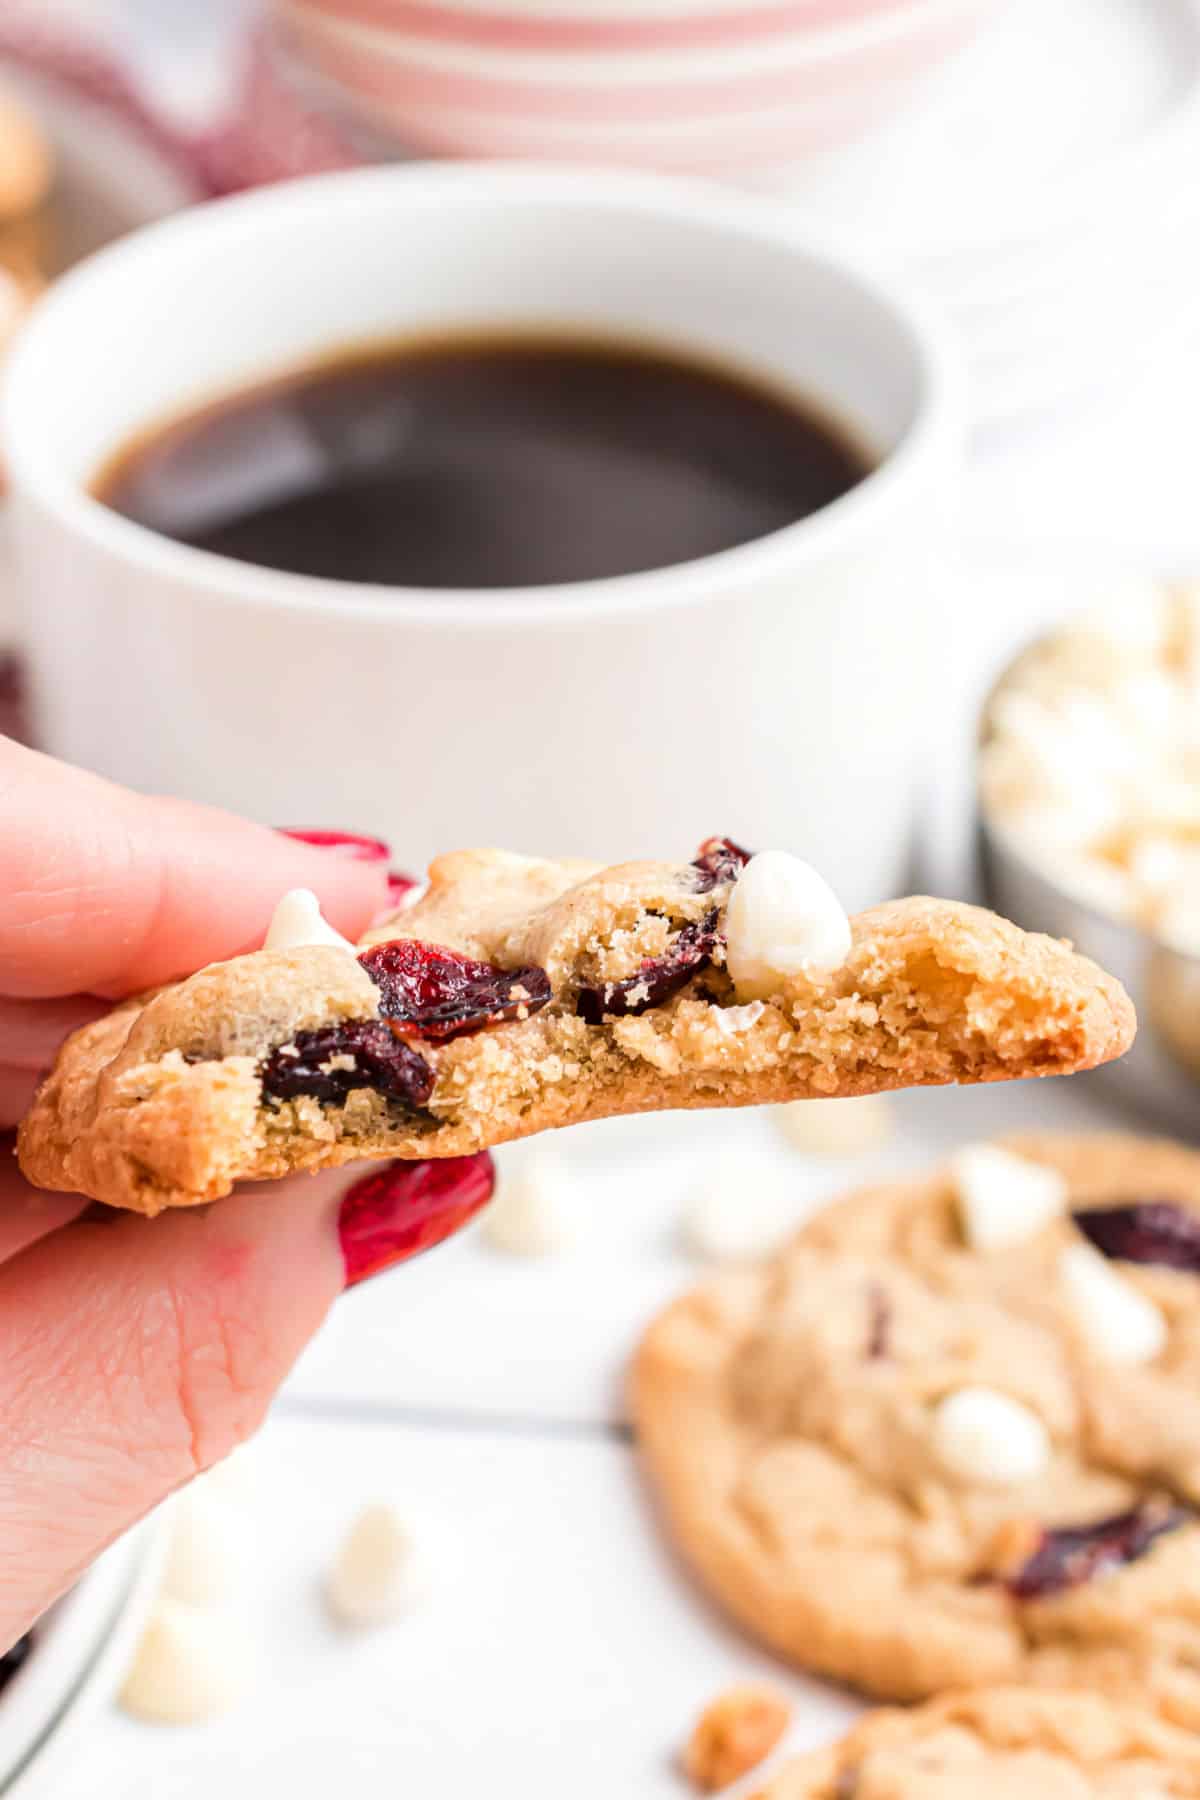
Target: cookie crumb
<point>733,1734</point>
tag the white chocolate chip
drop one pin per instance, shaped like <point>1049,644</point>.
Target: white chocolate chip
<point>980,1434</point>
<point>206,1553</point>
<point>376,1574</point>
<point>297,922</point>
<point>731,1021</point>
<point>782,920</point>
<point>837,1127</point>
<point>531,1214</point>
<point>1004,1199</point>
<point>1120,1324</point>
<point>191,1664</point>
<point>739,1210</point>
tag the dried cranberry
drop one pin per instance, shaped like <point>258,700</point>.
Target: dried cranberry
<point>406,1207</point>
<point>428,991</point>
<point>12,1659</point>
<point>351,844</point>
<point>1073,1554</point>
<point>720,860</point>
<point>1144,1231</point>
<point>658,978</point>
<point>312,1065</point>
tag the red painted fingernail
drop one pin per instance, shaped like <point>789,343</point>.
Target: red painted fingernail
<point>403,1208</point>
<point>352,844</point>
<point>399,884</point>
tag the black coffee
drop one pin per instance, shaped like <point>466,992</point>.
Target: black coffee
<point>486,462</point>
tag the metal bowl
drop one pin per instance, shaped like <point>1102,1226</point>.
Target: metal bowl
<point>1160,1076</point>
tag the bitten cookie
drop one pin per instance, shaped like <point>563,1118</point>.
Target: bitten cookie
<point>1007,1743</point>
<point>519,995</point>
<point>951,1435</point>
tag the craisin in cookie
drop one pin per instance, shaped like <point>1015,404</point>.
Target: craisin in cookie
<point>916,1464</point>
<point>519,995</point>
<point>1005,1743</point>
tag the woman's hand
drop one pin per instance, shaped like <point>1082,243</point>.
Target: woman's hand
<point>136,1352</point>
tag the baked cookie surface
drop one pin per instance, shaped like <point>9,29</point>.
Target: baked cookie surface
<point>917,1465</point>
<point>1007,1743</point>
<point>519,995</point>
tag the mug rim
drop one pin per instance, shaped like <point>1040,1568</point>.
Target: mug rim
<point>937,418</point>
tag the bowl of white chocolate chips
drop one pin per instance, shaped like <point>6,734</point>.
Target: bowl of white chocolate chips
<point>1089,800</point>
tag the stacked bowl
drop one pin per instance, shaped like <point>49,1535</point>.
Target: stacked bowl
<point>709,86</point>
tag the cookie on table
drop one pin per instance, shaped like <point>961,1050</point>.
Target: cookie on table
<point>521,994</point>
<point>950,1436</point>
<point>1006,1743</point>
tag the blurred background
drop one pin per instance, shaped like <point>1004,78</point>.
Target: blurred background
<point>1028,171</point>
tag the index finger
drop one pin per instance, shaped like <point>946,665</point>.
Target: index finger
<point>106,891</point>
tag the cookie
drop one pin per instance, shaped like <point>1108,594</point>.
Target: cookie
<point>915,1464</point>
<point>519,995</point>
<point>1005,1743</point>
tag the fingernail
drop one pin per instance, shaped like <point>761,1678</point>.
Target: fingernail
<point>399,885</point>
<point>403,1208</point>
<point>352,844</point>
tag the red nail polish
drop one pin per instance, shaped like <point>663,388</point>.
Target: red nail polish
<point>406,1207</point>
<point>399,884</point>
<point>351,844</point>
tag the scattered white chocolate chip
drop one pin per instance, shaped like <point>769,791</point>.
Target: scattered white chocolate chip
<point>1118,1321</point>
<point>206,1551</point>
<point>375,1575</point>
<point>837,1127</point>
<point>297,922</point>
<point>980,1434</point>
<point>1004,1199</point>
<point>782,920</point>
<point>738,1210</point>
<point>531,1214</point>
<point>191,1664</point>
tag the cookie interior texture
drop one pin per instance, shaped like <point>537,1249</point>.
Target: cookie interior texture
<point>786,1416</point>
<point>163,1102</point>
<point>1008,1743</point>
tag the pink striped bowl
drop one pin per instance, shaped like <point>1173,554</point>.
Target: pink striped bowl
<point>699,85</point>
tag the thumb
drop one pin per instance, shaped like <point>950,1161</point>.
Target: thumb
<point>135,1352</point>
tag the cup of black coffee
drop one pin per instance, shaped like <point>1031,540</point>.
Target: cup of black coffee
<point>579,513</point>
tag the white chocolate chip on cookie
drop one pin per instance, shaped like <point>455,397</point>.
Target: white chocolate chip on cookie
<point>1004,1199</point>
<point>980,1434</point>
<point>1120,1324</point>
<point>783,920</point>
<point>374,1576</point>
<point>298,922</point>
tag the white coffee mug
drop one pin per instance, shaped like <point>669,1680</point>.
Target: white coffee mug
<point>775,692</point>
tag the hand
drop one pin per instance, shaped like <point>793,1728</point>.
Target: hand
<point>136,1352</point>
